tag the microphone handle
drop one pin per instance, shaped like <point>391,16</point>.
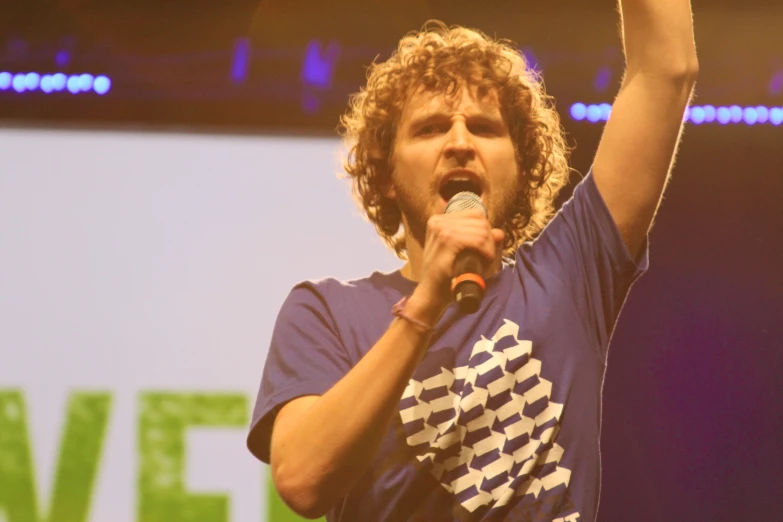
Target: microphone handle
<point>468,284</point>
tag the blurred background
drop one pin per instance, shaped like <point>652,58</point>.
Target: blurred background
<point>169,171</point>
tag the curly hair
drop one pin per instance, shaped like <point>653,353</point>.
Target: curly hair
<point>441,58</point>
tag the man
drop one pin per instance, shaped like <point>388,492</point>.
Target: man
<point>438,415</point>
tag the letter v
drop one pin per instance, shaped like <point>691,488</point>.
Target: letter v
<point>80,453</point>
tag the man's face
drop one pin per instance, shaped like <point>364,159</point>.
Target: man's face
<point>444,146</point>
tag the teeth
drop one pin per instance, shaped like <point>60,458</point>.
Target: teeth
<point>453,186</point>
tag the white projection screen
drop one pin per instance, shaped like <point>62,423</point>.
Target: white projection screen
<point>141,274</point>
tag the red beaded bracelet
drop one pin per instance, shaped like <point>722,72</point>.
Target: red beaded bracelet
<point>399,311</point>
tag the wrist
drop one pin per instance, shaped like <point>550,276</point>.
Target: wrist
<point>423,306</point>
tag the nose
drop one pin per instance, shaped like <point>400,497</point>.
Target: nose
<point>459,144</point>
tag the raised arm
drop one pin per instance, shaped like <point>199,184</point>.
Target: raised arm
<point>637,149</point>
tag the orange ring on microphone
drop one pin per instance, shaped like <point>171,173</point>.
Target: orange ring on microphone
<point>468,277</point>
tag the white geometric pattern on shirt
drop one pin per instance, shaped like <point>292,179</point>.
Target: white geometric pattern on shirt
<point>455,473</point>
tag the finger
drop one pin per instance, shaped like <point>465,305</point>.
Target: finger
<point>457,235</point>
<point>497,242</point>
<point>481,242</point>
<point>488,243</point>
<point>452,231</point>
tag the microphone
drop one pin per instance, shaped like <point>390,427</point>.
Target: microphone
<point>467,284</point>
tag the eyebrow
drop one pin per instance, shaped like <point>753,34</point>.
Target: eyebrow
<point>443,116</point>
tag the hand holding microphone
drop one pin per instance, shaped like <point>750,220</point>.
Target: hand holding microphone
<point>467,284</point>
<point>459,246</point>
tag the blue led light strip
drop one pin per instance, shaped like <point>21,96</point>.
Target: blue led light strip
<point>49,83</point>
<point>697,114</point>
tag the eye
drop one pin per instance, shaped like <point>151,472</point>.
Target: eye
<point>483,128</point>
<point>432,128</point>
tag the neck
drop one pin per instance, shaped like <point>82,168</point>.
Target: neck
<point>412,268</point>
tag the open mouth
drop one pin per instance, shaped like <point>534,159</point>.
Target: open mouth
<point>457,184</point>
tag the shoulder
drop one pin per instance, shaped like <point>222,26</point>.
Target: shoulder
<point>561,247</point>
<point>352,314</point>
<point>332,287</point>
<point>338,295</point>
<point>582,206</point>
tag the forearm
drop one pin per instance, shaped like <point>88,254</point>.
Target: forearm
<point>326,448</point>
<point>636,152</point>
<point>658,36</point>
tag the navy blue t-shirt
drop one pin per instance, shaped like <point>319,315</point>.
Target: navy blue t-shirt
<point>501,419</point>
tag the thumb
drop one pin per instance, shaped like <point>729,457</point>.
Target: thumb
<point>498,235</point>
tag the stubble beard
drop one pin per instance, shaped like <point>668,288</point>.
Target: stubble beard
<point>416,210</point>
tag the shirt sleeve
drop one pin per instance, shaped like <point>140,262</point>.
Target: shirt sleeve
<point>306,357</point>
<point>582,248</point>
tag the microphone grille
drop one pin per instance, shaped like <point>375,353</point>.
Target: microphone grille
<point>464,201</point>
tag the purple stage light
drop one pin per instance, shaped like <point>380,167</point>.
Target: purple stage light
<point>102,84</point>
<point>593,113</point>
<point>58,81</point>
<point>531,60</point>
<point>750,115</point>
<point>62,58</point>
<point>19,82</point>
<point>73,84</point>
<point>5,80</point>
<point>602,78</point>
<point>318,65</point>
<point>736,113</point>
<point>579,111</point>
<point>310,103</point>
<point>46,83</point>
<point>49,83</point>
<point>241,60</point>
<point>85,82</point>
<point>710,113</point>
<point>697,114</point>
<point>724,115</point>
<point>31,81</point>
<point>606,111</point>
<point>776,84</point>
<point>763,114</point>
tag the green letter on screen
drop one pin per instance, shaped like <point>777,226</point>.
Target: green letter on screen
<point>163,421</point>
<point>80,453</point>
